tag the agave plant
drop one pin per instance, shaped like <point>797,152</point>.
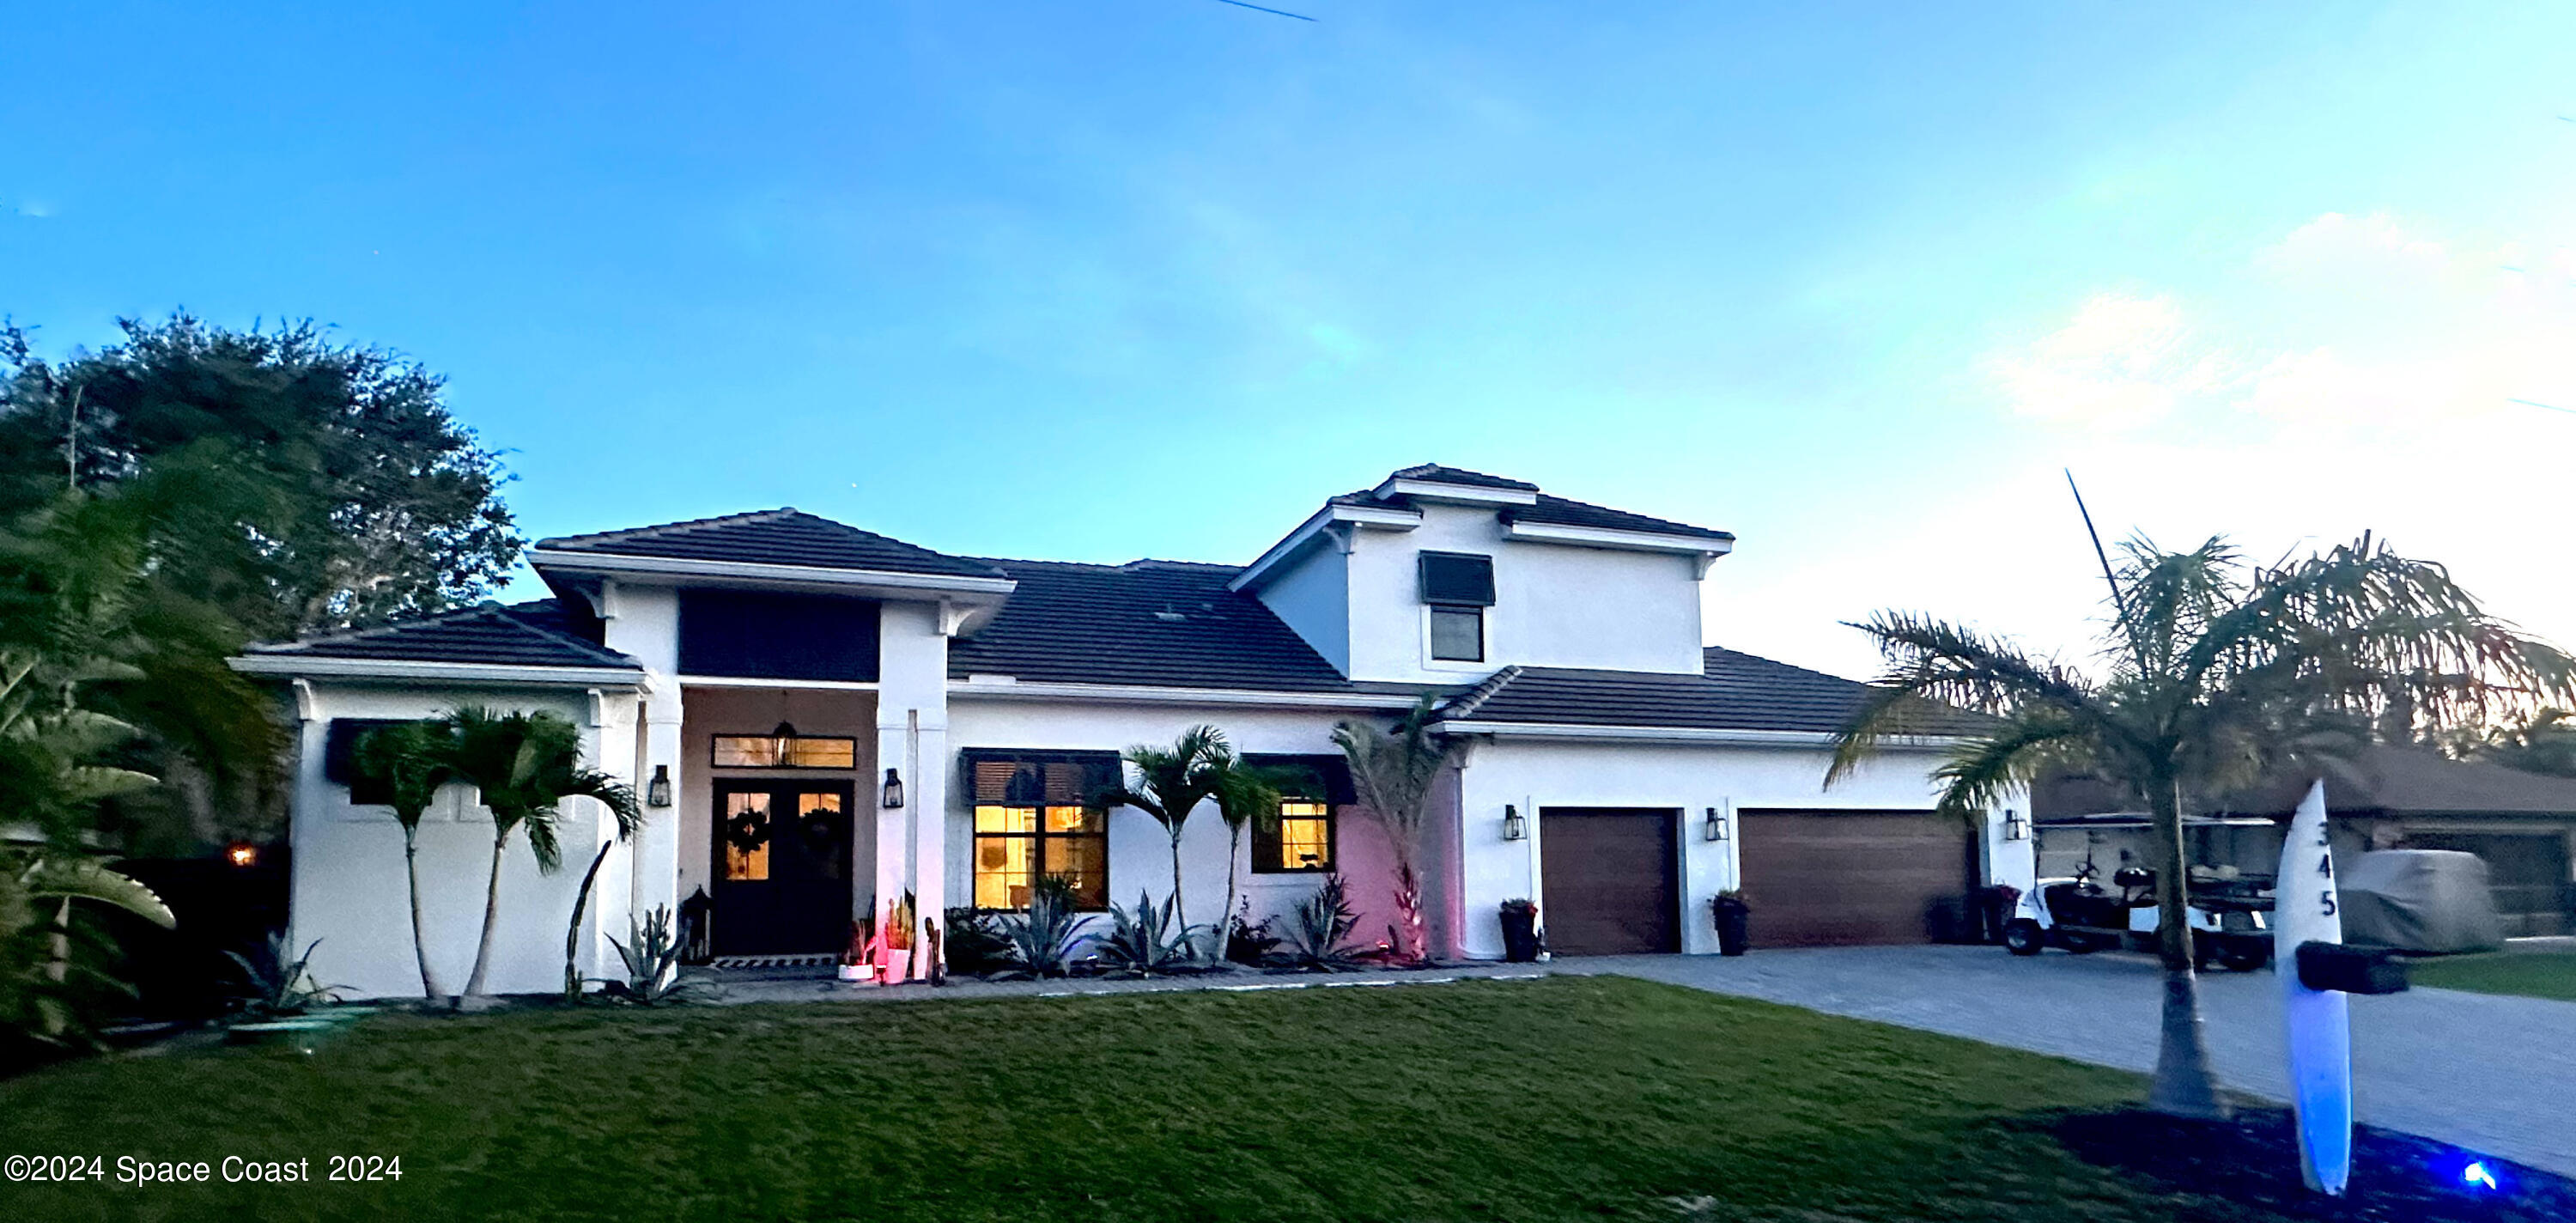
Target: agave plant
<point>1046,937</point>
<point>1145,940</point>
<point>273,986</point>
<point>1318,929</point>
<point>651,954</point>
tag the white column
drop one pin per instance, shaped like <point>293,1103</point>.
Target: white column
<point>645,623</point>
<point>912,738</point>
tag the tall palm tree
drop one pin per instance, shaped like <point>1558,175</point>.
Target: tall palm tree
<point>1245,794</point>
<point>526,765</point>
<point>407,763</point>
<point>2214,672</point>
<point>1393,771</point>
<point>1170,784</point>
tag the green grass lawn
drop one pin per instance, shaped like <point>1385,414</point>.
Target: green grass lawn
<point>1562,1098</point>
<point>2532,974</point>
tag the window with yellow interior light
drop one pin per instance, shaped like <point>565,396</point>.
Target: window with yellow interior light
<point>1302,840</point>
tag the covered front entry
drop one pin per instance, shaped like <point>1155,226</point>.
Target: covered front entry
<point>1838,878</point>
<point>782,867</point>
<point>1612,879</point>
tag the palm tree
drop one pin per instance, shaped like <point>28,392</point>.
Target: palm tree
<point>1170,784</point>
<point>407,763</point>
<point>1245,793</point>
<point>526,765</point>
<point>2214,672</point>
<point>1394,770</point>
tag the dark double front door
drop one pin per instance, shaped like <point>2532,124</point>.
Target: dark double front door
<point>782,867</point>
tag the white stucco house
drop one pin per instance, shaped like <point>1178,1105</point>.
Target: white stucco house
<point>774,674</point>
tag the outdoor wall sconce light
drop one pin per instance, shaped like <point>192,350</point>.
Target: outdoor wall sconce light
<point>893,791</point>
<point>657,792</point>
<point>2016,828</point>
<point>782,745</point>
<point>1716,825</point>
<point>1514,827</point>
<point>242,854</point>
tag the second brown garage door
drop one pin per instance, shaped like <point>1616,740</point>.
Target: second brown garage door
<point>1612,881</point>
<point>1837,878</point>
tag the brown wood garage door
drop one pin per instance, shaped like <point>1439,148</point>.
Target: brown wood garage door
<point>1612,881</point>
<point>1837,878</point>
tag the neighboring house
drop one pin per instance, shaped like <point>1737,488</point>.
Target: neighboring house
<point>781,672</point>
<point>2387,797</point>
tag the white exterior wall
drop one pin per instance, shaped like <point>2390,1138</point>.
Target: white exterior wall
<point>912,737</point>
<point>644,622</point>
<point>349,889</point>
<point>1555,605</point>
<point>1140,852</point>
<point>1312,596</point>
<point>1688,778</point>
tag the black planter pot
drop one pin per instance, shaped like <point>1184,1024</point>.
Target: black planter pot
<point>1520,935</point>
<point>1734,922</point>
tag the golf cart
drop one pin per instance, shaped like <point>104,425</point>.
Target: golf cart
<point>2082,916</point>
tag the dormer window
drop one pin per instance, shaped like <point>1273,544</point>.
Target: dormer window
<point>1457,587</point>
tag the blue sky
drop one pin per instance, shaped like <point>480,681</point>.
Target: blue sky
<point>1154,276</point>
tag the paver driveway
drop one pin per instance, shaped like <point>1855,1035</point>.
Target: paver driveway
<point>2490,1073</point>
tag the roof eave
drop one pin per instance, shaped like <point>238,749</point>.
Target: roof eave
<point>287,664</point>
<point>1313,530</point>
<point>1708,548</point>
<point>685,572</point>
<point>1724,736</point>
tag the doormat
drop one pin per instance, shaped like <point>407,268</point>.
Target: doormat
<point>775,961</point>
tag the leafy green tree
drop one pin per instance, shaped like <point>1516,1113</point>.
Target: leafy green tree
<point>1170,784</point>
<point>526,765</point>
<point>1394,770</point>
<point>2541,741</point>
<point>85,593</point>
<point>2214,673</point>
<point>330,486</point>
<point>407,762</point>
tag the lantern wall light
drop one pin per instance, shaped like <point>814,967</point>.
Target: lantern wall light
<point>657,792</point>
<point>1716,825</point>
<point>2016,828</point>
<point>893,791</point>
<point>1514,827</point>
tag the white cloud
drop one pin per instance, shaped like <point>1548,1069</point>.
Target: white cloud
<point>2122,361</point>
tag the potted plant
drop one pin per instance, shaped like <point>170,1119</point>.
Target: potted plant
<point>897,939</point>
<point>1520,930</point>
<point>858,960</point>
<point>1731,914</point>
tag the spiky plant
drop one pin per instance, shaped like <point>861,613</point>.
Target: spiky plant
<point>1044,939</point>
<point>1146,940</point>
<point>2214,672</point>
<point>1319,929</point>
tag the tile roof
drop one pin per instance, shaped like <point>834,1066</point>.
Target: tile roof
<point>1148,622</point>
<point>1560,511</point>
<point>774,537</point>
<point>1434,473</point>
<point>1735,691</point>
<point>1564,512</point>
<point>533,634</point>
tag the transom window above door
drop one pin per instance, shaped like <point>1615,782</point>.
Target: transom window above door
<point>783,748</point>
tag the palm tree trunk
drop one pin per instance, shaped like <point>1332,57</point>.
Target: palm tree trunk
<point>419,945</point>
<point>1225,920</point>
<point>491,915</point>
<point>2183,1085</point>
<point>1180,916</point>
<point>572,930</point>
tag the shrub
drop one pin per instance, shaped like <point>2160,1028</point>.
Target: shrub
<point>975,943</point>
<point>1043,939</point>
<point>1319,929</point>
<point>1146,940</point>
<point>1247,941</point>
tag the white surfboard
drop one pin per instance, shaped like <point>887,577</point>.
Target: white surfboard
<point>2307,909</point>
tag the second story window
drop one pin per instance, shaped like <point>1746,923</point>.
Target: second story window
<point>1457,587</point>
<point>1458,634</point>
